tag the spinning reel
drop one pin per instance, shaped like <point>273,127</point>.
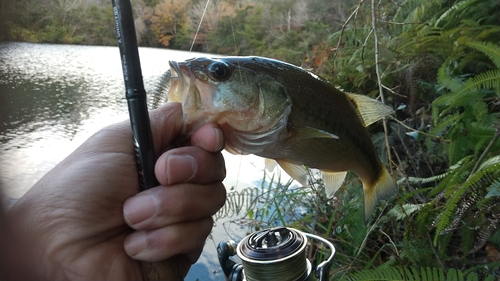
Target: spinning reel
<point>273,254</point>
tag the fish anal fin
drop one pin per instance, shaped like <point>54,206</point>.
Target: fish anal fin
<point>383,188</point>
<point>333,181</point>
<point>270,164</point>
<point>369,109</point>
<point>306,132</point>
<point>297,172</point>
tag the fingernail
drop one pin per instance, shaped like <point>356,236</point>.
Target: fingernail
<point>181,168</point>
<point>219,138</point>
<point>139,208</point>
<point>135,244</point>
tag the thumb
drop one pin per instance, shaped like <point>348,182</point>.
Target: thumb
<point>166,124</point>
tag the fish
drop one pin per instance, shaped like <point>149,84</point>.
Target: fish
<point>282,112</point>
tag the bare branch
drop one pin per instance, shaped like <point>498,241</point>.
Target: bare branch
<point>379,82</point>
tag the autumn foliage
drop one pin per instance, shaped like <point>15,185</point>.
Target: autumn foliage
<point>169,20</point>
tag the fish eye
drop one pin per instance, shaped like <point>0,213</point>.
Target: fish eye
<point>219,71</point>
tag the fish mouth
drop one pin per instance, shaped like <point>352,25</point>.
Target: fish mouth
<point>181,82</point>
<point>184,90</point>
<point>174,69</point>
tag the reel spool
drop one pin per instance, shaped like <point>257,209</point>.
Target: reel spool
<point>272,254</point>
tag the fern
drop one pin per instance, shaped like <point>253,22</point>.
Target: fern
<point>401,212</point>
<point>478,182</point>
<point>467,92</point>
<point>463,93</point>
<point>489,49</point>
<point>412,273</point>
<point>447,80</point>
<point>419,181</point>
<point>448,15</point>
<point>494,189</point>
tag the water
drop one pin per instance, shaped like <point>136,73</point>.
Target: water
<point>53,97</point>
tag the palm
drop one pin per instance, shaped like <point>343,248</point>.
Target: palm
<point>73,220</point>
<point>91,231</point>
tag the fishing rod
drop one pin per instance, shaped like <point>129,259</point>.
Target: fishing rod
<point>139,119</point>
<point>270,254</point>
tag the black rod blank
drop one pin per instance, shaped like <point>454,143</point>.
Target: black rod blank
<point>135,92</point>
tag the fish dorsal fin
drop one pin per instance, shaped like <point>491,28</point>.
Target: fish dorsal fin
<point>306,132</point>
<point>297,172</point>
<point>333,181</point>
<point>369,109</point>
<point>270,164</point>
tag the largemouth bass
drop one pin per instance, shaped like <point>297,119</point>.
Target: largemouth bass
<point>279,111</point>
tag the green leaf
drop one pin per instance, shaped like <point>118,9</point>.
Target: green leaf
<point>468,92</point>
<point>489,49</point>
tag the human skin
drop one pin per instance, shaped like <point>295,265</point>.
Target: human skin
<point>85,220</point>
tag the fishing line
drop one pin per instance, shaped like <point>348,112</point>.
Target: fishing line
<point>234,37</point>
<point>199,25</point>
<point>241,80</point>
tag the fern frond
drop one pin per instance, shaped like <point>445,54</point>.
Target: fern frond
<point>415,180</point>
<point>449,15</point>
<point>411,273</point>
<point>462,95</point>
<point>491,50</point>
<point>446,80</point>
<point>488,226</point>
<point>492,161</point>
<point>494,189</point>
<point>477,182</point>
<point>401,212</point>
<point>457,177</point>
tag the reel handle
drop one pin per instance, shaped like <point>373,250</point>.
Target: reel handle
<point>232,270</point>
<point>323,268</point>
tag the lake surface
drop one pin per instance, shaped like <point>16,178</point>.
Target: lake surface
<point>53,97</point>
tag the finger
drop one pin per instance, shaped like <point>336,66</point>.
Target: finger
<point>166,205</point>
<point>189,164</point>
<point>184,238</point>
<point>166,124</point>
<point>209,137</point>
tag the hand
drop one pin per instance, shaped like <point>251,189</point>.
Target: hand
<point>85,220</point>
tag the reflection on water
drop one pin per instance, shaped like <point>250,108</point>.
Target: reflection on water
<point>53,97</point>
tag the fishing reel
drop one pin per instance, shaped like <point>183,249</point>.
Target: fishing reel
<point>273,254</point>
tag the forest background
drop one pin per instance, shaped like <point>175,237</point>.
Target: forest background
<point>436,62</point>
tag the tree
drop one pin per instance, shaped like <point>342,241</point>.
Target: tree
<point>170,21</point>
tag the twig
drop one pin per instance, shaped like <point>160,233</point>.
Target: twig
<point>379,82</point>
<point>483,155</point>
<point>364,45</point>
<point>435,251</point>
<point>420,132</point>
<point>401,23</point>
<point>392,242</point>
<point>342,29</point>
<point>392,91</point>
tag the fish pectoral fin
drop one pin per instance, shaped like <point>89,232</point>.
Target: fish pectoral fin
<point>333,181</point>
<point>270,164</point>
<point>297,172</point>
<point>306,132</point>
<point>383,188</point>
<point>369,109</point>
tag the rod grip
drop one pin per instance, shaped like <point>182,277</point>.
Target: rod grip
<point>169,270</point>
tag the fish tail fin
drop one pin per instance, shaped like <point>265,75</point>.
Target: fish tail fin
<point>383,187</point>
